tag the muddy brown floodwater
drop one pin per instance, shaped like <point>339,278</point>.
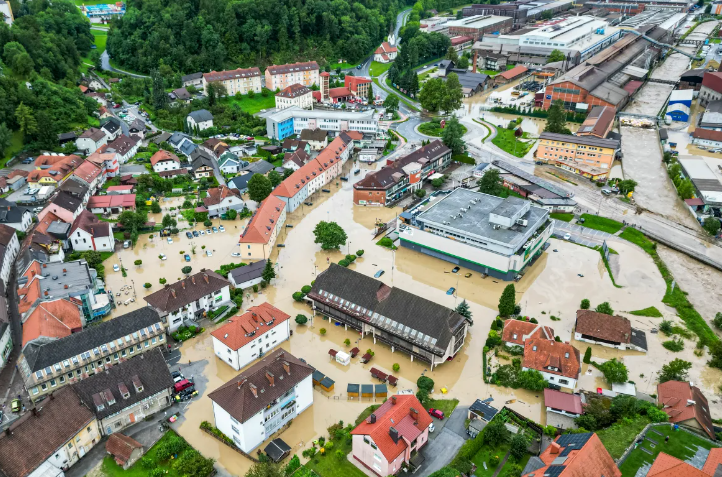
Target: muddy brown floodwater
<point>552,285</point>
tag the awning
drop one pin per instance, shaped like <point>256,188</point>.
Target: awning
<point>693,202</point>
<point>437,175</point>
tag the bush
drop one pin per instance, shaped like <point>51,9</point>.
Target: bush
<point>255,288</point>
<point>322,331</point>
<point>306,289</point>
<point>604,308</point>
<point>533,320</point>
<point>301,319</point>
<point>298,296</point>
<point>675,345</point>
<point>162,281</point>
<point>493,339</point>
<point>494,461</point>
<point>584,305</point>
<point>328,446</point>
<point>344,263</point>
<point>351,258</point>
<point>186,270</point>
<point>588,355</point>
<point>396,367</point>
<point>425,383</point>
<point>718,321</point>
<point>147,285</point>
<point>359,253</point>
<point>666,327</point>
<point>421,193</point>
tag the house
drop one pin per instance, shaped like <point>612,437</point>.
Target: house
<point>126,147</point>
<point>282,76</point>
<point>164,161</point>
<point>240,182</point>
<point>66,137</point>
<point>263,398</point>
<point>49,439</point>
<point>692,79</point>
<point>295,160</point>
<point>181,95</point>
<point>229,163</point>
<point>222,199</point>
<point>128,392</point>
<point>572,455</point>
<point>358,86</point>
<point>202,164</point>
<point>193,79</point>
<point>316,138</point>
<point>471,83</point>
<point>294,95</point>
<point>262,167</point>
<point>481,410</point>
<point>104,113</point>
<point>17,179</point>
<point>667,466</point>
<point>111,204</point>
<point>90,233</point>
<point>542,193</point>
<point>76,189</point>
<point>248,275</point>
<point>125,450</point>
<point>711,89</point>
<point>111,128</point>
<point>137,129</point>
<point>686,406</point>
<point>384,441</point>
<point>89,174</point>
<point>190,298</point>
<point>385,53</point>
<point>260,234</point>
<point>52,320</point>
<point>241,340</point>
<point>290,145</point>
<point>200,120</point>
<point>215,147</point>
<point>108,161</point>
<point>121,189</point>
<point>91,140</point>
<point>566,404</point>
<point>558,362</point>
<point>15,216</point>
<point>710,138</point>
<point>244,150</point>
<point>516,332</point>
<point>65,206</point>
<point>6,338</point>
<point>510,75</point>
<point>234,81</point>
<point>611,331</point>
<point>6,13</point>
<point>598,122</point>
<point>173,173</point>
<point>9,248</point>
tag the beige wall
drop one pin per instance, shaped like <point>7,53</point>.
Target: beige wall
<point>549,150</point>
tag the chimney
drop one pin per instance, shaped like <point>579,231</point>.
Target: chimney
<point>393,400</point>
<point>183,284</point>
<point>46,293</point>
<point>554,448</point>
<point>65,271</point>
<point>193,279</point>
<point>394,434</point>
<point>690,402</point>
<point>45,265</point>
<point>414,414</point>
<point>271,378</point>
<point>205,277</point>
<point>286,367</point>
<point>372,419</point>
<point>241,383</point>
<point>254,390</point>
<point>172,292</point>
<point>51,396</point>
<point>66,287</point>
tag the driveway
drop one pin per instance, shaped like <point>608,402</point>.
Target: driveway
<point>443,445</point>
<point>133,169</point>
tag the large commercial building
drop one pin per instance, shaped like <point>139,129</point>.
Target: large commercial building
<point>235,81</point>
<point>477,26</point>
<point>293,120</point>
<point>585,155</point>
<point>495,236</point>
<point>282,76</point>
<point>504,10</point>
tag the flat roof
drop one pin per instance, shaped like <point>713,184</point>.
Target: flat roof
<point>476,220</point>
<point>681,95</point>
<point>477,21</point>
<point>295,111</point>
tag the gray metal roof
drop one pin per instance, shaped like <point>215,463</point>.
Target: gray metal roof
<point>201,115</point>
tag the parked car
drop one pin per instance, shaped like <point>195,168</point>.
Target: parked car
<point>187,257</point>
<point>455,270</point>
<point>202,232</point>
<point>236,254</point>
<point>208,231</point>
<point>170,240</point>
<point>189,235</point>
<point>27,160</point>
<point>379,273</point>
<point>195,233</point>
<point>436,413</point>
<point>567,236</point>
<point>450,291</point>
<point>16,405</point>
<point>215,230</point>
<point>116,268</point>
<point>209,253</point>
<point>222,228</point>
<point>163,256</point>
<point>431,427</point>
<point>126,244</point>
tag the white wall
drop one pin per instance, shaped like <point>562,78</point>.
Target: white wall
<point>82,241</point>
<point>5,340</point>
<point>555,379</point>
<point>175,318</point>
<point>10,254</point>
<point>248,353</point>
<point>27,221</point>
<point>167,165</point>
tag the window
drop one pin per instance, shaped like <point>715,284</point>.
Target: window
<point>62,379</point>
<point>38,374</point>
<point>35,390</point>
<point>66,363</point>
<point>44,387</point>
<point>234,429</point>
<point>53,383</point>
<point>132,350</point>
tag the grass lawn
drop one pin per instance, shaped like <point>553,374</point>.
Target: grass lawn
<point>484,455</point>
<point>562,216</point>
<point>445,405</point>
<point>16,145</point>
<point>650,311</point>
<point>506,141</point>
<point>510,193</point>
<point>366,413</point>
<point>91,2</point>
<point>426,74</point>
<point>397,93</point>
<point>491,72</point>
<point>433,128</point>
<point>377,69</point>
<point>620,435</point>
<point>254,104</point>
<point>601,223</point>
<point>681,445</point>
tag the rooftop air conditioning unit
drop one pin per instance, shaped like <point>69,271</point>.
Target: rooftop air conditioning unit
<point>522,222</point>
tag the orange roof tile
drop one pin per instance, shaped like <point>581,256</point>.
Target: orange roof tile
<point>235,334</point>
<point>714,460</point>
<point>514,72</point>
<point>121,447</point>
<point>683,401</point>
<point>263,222</point>
<point>217,194</point>
<point>524,330</point>
<point>52,319</point>
<point>163,155</point>
<point>45,223</point>
<point>325,160</point>
<point>590,459</point>
<point>543,354</point>
<point>667,466</point>
<point>88,172</point>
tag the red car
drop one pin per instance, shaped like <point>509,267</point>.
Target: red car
<point>436,413</point>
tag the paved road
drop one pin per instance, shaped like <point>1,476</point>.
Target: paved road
<point>445,442</point>
<point>401,19</point>
<point>105,64</point>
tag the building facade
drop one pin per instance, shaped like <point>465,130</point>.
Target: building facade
<point>259,237</point>
<point>581,151</point>
<point>293,120</point>
<point>282,76</point>
<point>294,95</point>
<point>235,81</point>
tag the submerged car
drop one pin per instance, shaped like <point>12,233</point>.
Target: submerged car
<point>116,268</point>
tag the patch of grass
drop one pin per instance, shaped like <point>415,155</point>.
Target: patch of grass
<point>484,455</point>
<point>649,311</point>
<point>506,141</point>
<point>681,445</point>
<point>254,104</point>
<point>444,405</point>
<point>377,69</point>
<point>601,223</point>
<point>402,97</point>
<point>433,128</point>
<point>112,469</point>
<point>16,145</point>
<point>427,73</point>
<point>562,216</point>
<point>491,72</point>
<point>488,128</point>
<point>620,435</point>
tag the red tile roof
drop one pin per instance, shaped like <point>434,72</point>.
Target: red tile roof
<point>683,401</point>
<point>591,459</point>
<point>514,72</point>
<point>163,155</point>
<point>713,80</point>
<point>524,330</point>
<point>46,221</point>
<point>292,67</point>
<point>217,194</point>
<point>293,91</point>
<point>385,48</point>
<point>399,416</point>
<point>352,82</point>
<point>52,319</point>
<point>120,188</point>
<point>667,466</point>
<point>121,447</point>
<point>339,92</point>
<point>88,172</point>
<point>564,401</point>
<point>598,325</point>
<point>236,333</point>
<point>713,462</point>
<point>709,134</point>
<point>459,40</point>
<point>542,354</point>
<point>260,227</point>
<point>120,200</point>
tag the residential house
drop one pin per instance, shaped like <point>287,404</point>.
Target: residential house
<point>711,89</point>
<point>52,170</point>
<point>17,179</point>
<point>15,216</point>
<point>294,95</point>
<point>173,173</point>
<point>558,362</point>
<point>9,248</point>
<point>89,174</point>
<point>202,164</point>
<point>66,137</point>
<point>103,113</point>
<point>100,98</point>
<point>665,465</point>
<point>45,367</point>
<point>598,122</point>
<point>52,320</point>
<point>295,160</point>
<point>50,438</point>
<point>111,204</point>
<point>126,147</point>
<point>573,455</point>
<point>200,120</point>
<point>190,298</point>
<point>137,129</point>
<point>65,206</point>
<point>248,275</point>
<point>262,399</point>
<point>258,167</point>
<point>125,450</point>
<point>164,161</point>
<point>215,147</point>
<point>180,95</point>
<point>6,335</point>
<point>229,163</point>
<point>251,335</point>
<point>386,440</point>
<point>611,331</point>
<point>516,332</point>
<point>248,149</point>
<point>221,199</point>
<point>686,406</point>
<point>588,156</point>
<point>128,392</point>
<point>107,160</point>
<point>76,189</point>
<point>182,143</point>
<point>406,322</point>
<point>385,53</point>
<point>290,145</point>
<point>111,128</point>
<point>121,189</point>
<point>235,81</point>
<point>4,187</point>
<point>240,182</point>
<point>90,233</point>
<point>566,404</point>
<point>260,234</point>
<point>282,76</point>
<point>193,79</point>
<point>91,140</point>
<point>316,138</point>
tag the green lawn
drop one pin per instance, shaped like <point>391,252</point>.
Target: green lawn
<point>331,464</point>
<point>620,435</point>
<point>91,2</point>
<point>397,93</point>
<point>649,311</point>
<point>366,413</point>
<point>506,141</point>
<point>491,72</point>
<point>562,216</point>
<point>16,145</point>
<point>484,455</point>
<point>601,223</point>
<point>681,445</point>
<point>254,104</point>
<point>426,74</point>
<point>433,128</point>
<point>377,69</point>
<point>101,38</point>
<point>445,405</point>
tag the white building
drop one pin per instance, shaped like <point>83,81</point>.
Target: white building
<point>201,119</point>
<point>558,362</point>
<point>9,248</point>
<point>222,199</point>
<point>610,331</point>
<point>6,12</point>
<point>295,95</point>
<point>229,163</point>
<point>91,140</point>
<point>235,81</point>
<point>385,53</point>
<point>125,147</point>
<point>248,275</point>
<point>17,217</point>
<point>164,161</point>
<point>293,120</point>
<point>89,233</point>
<point>251,335</point>
<point>259,401</point>
<point>6,341</point>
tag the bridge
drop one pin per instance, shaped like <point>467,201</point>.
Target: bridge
<point>687,41</point>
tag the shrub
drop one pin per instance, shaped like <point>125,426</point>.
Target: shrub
<point>186,270</point>
<point>264,284</point>
<point>340,454</point>
<point>147,463</point>
<point>207,223</point>
<point>493,339</point>
<point>674,345</point>
<point>328,446</point>
<point>718,321</point>
<point>494,461</point>
<point>557,339</point>
<point>344,263</point>
<point>157,472</point>
<point>351,258</point>
<point>138,263</point>
<point>533,320</point>
<point>298,296</point>
<point>666,327</point>
<point>588,355</point>
<point>584,305</point>
<point>604,308</point>
<point>396,367</point>
<point>255,288</point>
<point>322,331</point>
<point>301,319</point>
<point>359,253</point>
<point>147,285</point>
<point>306,289</point>
<point>425,383</point>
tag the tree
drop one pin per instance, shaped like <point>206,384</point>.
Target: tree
<point>138,263</point>
<point>675,370</point>
<point>26,120</point>
<point>491,183</point>
<point>268,272</point>
<point>496,433</point>
<point>718,321</point>
<point>451,100</point>
<point>420,193</point>
<point>452,55</point>
<point>708,8</point>
<point>259,187</point>
<point>685,189</point>
<point>604,308</point>
<point>438,182</point>
<point>463,63</point>
<point>518,446</point>
<point>275,178</point>
<point>301,319</point>
<point>446,472</point>
<point>711,225</point>
<point>391,103</point>
<point>425,383</point>
<point>452,135</point>
<point>556,119</point>
<point>715,352</point>
<point>555,55</point>
<point>370,96</point>
<point>186,270</point>
<point>507,301</point>
<point>626,186</point>
<point>132,221</point>
<point>207,223</point>
<point>155,207</point>
<point>432,94</point>
<point>584,305</point>
<point>588,355</point>
<point>614,371</point>
<point>169,221</point>
<point>464,310</point>
<point>330,235</point>
<point>160,97</point>
<point>265,469</point>
<point>6,136</point>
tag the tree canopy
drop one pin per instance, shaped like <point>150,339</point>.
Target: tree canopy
<point>491,183</point>
<point>675,370</point>
<point>259,187</point>
<point>452,135</point>
<point>557,119</point>
<point>330,235</point>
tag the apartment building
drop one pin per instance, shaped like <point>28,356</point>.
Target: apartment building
<point>294,95</point>
<point>235,81</point>
<point>588,156</point>
<point>257,240</point>
<point>282,76</point>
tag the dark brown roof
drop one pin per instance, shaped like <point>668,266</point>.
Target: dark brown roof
<point>87,221</point>
<point>173,172</point>
<point>294,91</point>
<point>186,291</point>
<point>291,68</point>
<point>237,395</point>
<point>313,134</point>
<point>682,402</point>
<point>35,437</point>
<point>598,121</point>
<point>6,234</point>
<point>598,325</point>
<point>121,447</point>
<point>123,144</point>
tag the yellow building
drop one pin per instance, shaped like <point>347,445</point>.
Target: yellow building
<point>259,237</point>
<point>588,156</point>
<point>235,81</point>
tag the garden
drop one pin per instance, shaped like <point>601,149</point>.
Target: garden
<point>187,332</point>
<point>434,128</point>
<point>328,455</point>
<point>509,140</point>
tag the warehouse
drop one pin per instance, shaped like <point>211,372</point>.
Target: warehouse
<point>680,104</point>
<point>477,26</point>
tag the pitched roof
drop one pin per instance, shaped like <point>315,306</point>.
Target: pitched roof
<point>149,370</point>
<point>237,396</point>
<point>585,140</point>
<point>216,195</point>
<point>248,272</point>
<point>173,172</point>
<point>35,437</point>
<point>255,322</point>
<point>598,325</point>
<point>576,455</point>
<point>117,200</point>
<point>667,466</point>
<point>564,401</point>
<point>120,188</point>
<point>121,447</point>
<point>45,222</point>
<point>179,294</point>
<point>293,91</point>
<point>312,169</point>
<point>192,76</point>
<point>228,157</point>
<point>298,157</point>
<point>264,220</point>
<point>231,74</point>
<point>259,167</point>
<point>88,222</point>
<point>163,155</point>
<point>709,134</point>
<point>6,234</point>
<point>523,330</point>
<point>385,48</point>
<point>598,121</point>
<point>514,72</point>
<point>93,134</point>
<point>713,464</point>
<point>52,319</point>
<point>10,212</point>
<point>292,67</point>
<point>313,134</point>
<point>123,144</point>
<point>138,125</point>
<point>542,354</point>
<point>201,115</point>
<point>87,172</point>
<point>713,81</point>
<point>200,158</point>
<point>399,415</point>
<point>682,401</point>
<point>67,202</point>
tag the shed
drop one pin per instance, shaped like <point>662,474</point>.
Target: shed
<point>624,388</point>
<point>354,352</point>
<point>352,390</point>
<point>475,427</point>
<point>343,358</point>
<point>327,384</point>
<point>367,390</point>
<point>481,410</point>
<point>380,390</point>
<point>317,377</point>
<point>277,450</point>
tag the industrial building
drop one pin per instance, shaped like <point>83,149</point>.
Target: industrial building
<point>521,11</point>
<point>488,234</point>
<point>680,104</point>
<point>504,10</point>
<point>293,120</point>
<point>477,26</point>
